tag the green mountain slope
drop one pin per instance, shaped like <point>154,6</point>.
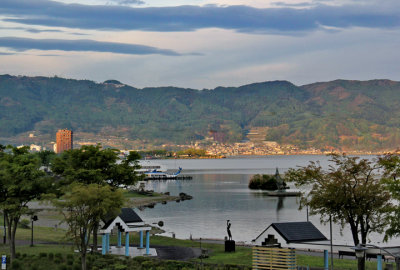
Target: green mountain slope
<point>358,115</point>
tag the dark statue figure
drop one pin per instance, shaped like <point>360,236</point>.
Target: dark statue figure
<point>229,243</point>
<point>228,228</point>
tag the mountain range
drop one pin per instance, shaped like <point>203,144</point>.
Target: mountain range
<point>340,114</point>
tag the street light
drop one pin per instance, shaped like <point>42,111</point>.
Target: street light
<point>360,254</point>
<point>33,218</point>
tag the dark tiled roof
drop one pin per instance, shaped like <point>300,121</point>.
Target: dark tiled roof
<point>298,231</point>
<point>129,216</point>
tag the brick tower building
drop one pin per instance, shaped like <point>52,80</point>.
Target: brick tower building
<point>64,139</point>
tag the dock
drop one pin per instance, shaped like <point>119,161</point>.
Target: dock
<point>168,177</point>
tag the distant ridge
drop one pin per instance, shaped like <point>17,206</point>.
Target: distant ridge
<point>341,114</point>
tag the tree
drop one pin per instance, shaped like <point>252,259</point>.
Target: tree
<point>21,181</point>
<point>46,157</point>
<point>92,164</point>
<point>391,164</point>
<point>83,206</point>
<point>350,192</point>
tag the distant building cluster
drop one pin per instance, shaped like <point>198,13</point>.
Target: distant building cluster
<point>64,140</point>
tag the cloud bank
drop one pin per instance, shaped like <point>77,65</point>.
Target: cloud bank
<point>24,44</point>
<point>283,20</point>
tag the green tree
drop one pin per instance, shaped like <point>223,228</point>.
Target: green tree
<point>391,165</point>
<point>350,192</point>
<point>82,207</point>
<point>21,181</point>
<point>95,165</point>
<point>46,157</point>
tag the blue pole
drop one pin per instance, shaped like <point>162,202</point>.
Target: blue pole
<point>379,262</point>
<point>119,238</point>
<point>141,239</point>
<point>103,245</point>
<point>326,264</point>
<point>108,242</point>
<point>147,242</point>
<point>127,244</point>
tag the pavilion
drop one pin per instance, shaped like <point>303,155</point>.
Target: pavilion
<point>126,222</point>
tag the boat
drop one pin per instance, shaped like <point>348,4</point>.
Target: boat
<point>156,175</point>
<point>149,166</point>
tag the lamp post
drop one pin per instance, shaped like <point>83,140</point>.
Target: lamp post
<point>5,229</point>
<point>360,254</point>
<point>33,218</point>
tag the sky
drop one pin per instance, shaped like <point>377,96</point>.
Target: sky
<point>201,44</point>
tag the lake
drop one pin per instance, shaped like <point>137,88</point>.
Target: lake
<point>220,192</point>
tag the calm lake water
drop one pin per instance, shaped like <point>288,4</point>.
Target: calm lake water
<point>220,192</point>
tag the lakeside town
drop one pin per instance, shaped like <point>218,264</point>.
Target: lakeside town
<point>253,145</point>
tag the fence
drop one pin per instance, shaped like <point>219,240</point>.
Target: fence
<point>273,258</point>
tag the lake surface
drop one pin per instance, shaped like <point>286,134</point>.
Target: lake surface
<point>220,192</point>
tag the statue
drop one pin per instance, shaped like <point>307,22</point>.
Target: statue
<point>228,228</point>
<point>229,243</point>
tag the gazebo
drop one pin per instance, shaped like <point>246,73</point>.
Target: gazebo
<point>128,221</point>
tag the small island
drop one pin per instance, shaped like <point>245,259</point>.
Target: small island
<point>275,185</point>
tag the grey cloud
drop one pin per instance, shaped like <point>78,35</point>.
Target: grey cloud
<point>23,44</point>
<point>5,53</point>
<point>189,18</point>
<point>284,4</point>
<point>128,2</point>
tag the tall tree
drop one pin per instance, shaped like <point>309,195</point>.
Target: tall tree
<point>82,206</point>
<point>350,191</point>
<point>21,181</point>
<point>391,173</point>
<point>93,164</point>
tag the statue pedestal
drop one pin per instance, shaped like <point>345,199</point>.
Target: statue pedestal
<point>229,246</point>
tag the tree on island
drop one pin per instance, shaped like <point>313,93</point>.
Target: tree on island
<point>350,192</point>
<point>21,181</point>
<point>82,207</point>
<point>267,182</point>
<point>95,165</point>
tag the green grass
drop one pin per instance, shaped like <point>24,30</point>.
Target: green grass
<point>343,264</point>
<point>43,234</point>
<point>217,255</point>
<point>37,249</point>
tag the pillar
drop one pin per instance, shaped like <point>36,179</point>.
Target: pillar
<point>326,260</point>
<point>119,239</point>
<point>141,239</point>
<point>147,242</point>
<point>127,244</point>
<point>379,262</point>
<point>103,244</point>
<point>107,242</point>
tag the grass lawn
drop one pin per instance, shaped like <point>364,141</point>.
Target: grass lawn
<point>217,255</point>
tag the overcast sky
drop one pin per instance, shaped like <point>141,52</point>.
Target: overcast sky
<point>201,43</point>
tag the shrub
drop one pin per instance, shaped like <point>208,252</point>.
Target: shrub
<point>51,256</point>
<point>16,264</point>
<point>62,267</point>
<point>24,224</point>
<point>42,255</point>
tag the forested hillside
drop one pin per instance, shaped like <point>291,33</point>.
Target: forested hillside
<point>358,115</point>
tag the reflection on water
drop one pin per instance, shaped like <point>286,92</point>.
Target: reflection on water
<point>218,197</point>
